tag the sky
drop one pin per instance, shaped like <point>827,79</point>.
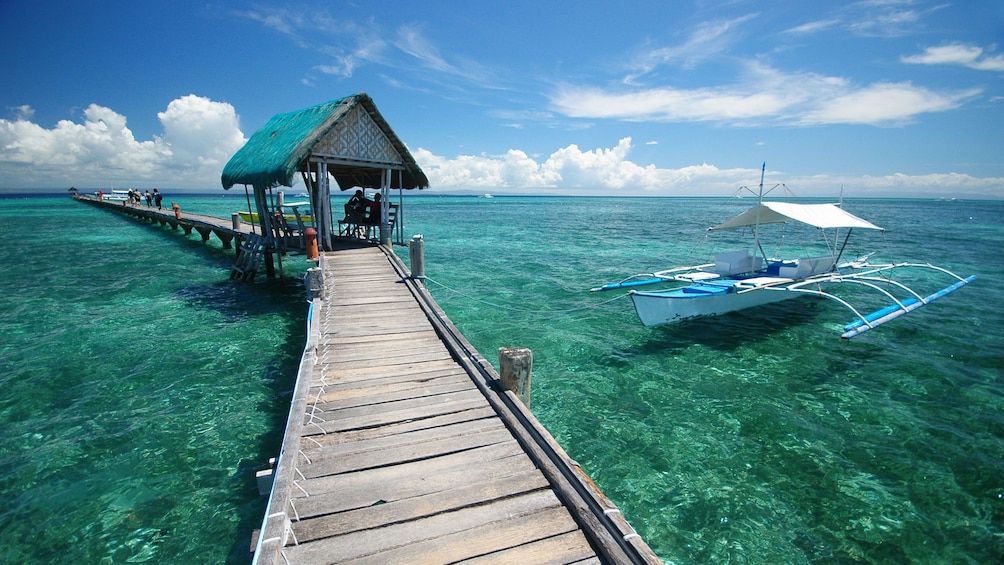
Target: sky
<point>874,98</point>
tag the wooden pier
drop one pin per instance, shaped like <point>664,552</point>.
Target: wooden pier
<point>402,447</point>
<point>401,444</point>
<point>205,226</point>
<point>246,239</point>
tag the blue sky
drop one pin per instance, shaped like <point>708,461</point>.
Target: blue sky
<point>882,97</point>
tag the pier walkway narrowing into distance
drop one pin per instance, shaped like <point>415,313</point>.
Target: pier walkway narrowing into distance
<point>402,446</point>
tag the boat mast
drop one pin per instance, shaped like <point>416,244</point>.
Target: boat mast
<point>756,228</point>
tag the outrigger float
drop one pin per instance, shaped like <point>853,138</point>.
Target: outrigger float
<point>742,279</point>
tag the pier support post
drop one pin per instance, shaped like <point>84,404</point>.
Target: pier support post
<point>235,219</point>
<point>225,238</point>
<point>314,281</point>
<point>416,254</point>
<point>515,366</point>
<point>269,264</point>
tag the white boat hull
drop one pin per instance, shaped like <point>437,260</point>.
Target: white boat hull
<point>670,307</point>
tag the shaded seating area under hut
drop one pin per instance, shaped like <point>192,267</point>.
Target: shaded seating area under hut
<point>346,140</point>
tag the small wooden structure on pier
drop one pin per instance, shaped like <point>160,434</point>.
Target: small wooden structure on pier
<point>345,139</point>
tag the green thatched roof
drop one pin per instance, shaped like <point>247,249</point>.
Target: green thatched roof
<point>348,134</point>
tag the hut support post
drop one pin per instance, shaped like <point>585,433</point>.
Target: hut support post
<point>324,202</point>
<point>261,203</point>
<point>385,234</point>
<point>399,224</point>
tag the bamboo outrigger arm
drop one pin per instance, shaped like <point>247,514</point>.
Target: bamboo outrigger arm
<point>865,322</point>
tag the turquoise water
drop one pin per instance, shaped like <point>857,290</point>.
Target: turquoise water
<point>141,389</point>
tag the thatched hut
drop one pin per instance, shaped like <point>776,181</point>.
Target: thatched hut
<point>345,139</point>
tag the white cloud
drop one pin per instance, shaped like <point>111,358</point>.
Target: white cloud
<point>813,27</point>
<point>199,137</point>
<point>707,40</point>
<point>883,103</point>
<point>202,134</point>
<point>958,54</point>
<point>567,169</point>
<point>572,171</point>
<point>763,96</point>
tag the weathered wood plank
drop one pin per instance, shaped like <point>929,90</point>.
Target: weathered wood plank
<point>389,362</point>
<point>337,493</point>
<point>394,381</point>
<point>432,404</point>
<point>393,354</point>
<point>376,339</point>
<point>334,423</point>
<point>403,427</point>
<point>361,447</point>
<point>346,398</point>
<point>333,372</point>
<point>570,548</point>
<point>322,466</point>
<point>383,513</point>
<point>448,536</point>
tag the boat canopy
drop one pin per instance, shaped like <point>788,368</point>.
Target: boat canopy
<point>816,215</point>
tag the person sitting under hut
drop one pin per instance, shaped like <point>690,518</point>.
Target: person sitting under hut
<point>373,218</point>
<point>356,207</point>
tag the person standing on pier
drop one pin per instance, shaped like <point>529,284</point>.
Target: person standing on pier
<point>157,197</point>
<point>149,198</point>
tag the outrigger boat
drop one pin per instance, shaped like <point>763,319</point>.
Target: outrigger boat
<point>742,279</point>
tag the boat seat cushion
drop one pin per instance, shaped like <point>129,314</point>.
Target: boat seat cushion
<point>808,266</point>
<point>735,262</point>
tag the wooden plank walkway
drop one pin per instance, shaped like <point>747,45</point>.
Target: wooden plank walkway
<point>401,446</point>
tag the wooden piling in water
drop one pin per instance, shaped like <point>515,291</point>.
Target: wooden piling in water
<point>515,366</point>
<point>416,254</point>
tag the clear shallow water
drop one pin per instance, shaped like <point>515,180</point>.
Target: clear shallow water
<point>141,389</point>
<point>760,437</point>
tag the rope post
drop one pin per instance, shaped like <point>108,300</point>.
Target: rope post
<point>416,253</point>
<point>515,366</point>
<point>311,235</point>
<point>235,219</point>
